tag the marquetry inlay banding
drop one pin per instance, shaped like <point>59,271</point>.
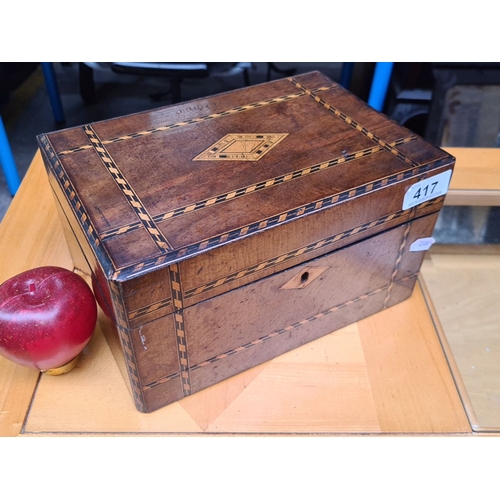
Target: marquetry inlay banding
<point>70,192</point>
<point>397,263</point>
<point>259,186</point>
<point>303,250</point>
<point>192,121</point>
<point>275,333</point>
<point>354,124</point>
<point>180,329</point>
<point>295,325</point>
<point>133,199</point>
<point>161,381</point>
<point>144,311</point>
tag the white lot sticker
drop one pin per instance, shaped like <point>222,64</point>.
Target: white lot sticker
<point>422,244</point>
<point>426,190</point>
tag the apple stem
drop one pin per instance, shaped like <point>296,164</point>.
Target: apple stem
<point>32,287</point>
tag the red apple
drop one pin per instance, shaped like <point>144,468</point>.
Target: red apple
<point>47,316</point>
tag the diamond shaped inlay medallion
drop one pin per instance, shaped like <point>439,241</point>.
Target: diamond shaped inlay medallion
<point>245,147</point>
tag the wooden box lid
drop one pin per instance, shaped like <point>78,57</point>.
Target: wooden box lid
<point>153,188</point>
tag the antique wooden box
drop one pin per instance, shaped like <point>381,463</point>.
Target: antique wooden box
<point>222,232</point>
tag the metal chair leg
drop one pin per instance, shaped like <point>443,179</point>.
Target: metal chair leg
<point>7,161</point>
<point>380,85</point>
<point>53,90</point>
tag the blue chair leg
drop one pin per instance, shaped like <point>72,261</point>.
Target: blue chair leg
<point>7,161</point>
<point>346,74</point>
<point>380,85</point>
<point>53,90</point>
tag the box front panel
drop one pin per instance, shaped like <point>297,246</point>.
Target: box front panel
<point>227,334</point>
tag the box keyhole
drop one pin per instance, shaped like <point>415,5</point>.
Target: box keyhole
<point>304,277</point>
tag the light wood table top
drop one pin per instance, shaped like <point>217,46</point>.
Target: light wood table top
<point>382,375</point>
<point>476,179</point>
<point>465,292</point>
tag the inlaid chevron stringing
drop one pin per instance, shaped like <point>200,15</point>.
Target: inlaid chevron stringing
<point>302,251</point>
<point>277,333</point>
<point>277,219</point>
<point>146,220</point>
<point>259,186</point>
<point>402,246</point>
<point>143,311</point>
<point>163,128</point>
<point>354,124</point>
<point>180,329</point>
<point>70,192</point>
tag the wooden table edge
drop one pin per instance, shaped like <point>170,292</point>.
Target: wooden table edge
<point>450,359</point>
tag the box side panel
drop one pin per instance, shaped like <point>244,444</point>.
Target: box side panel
<point>110,331</point>
<point>84,259</point>
<point>147,297</point>
<point>85,262</point>
<point>75,244</point>
<point>155,348</point>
